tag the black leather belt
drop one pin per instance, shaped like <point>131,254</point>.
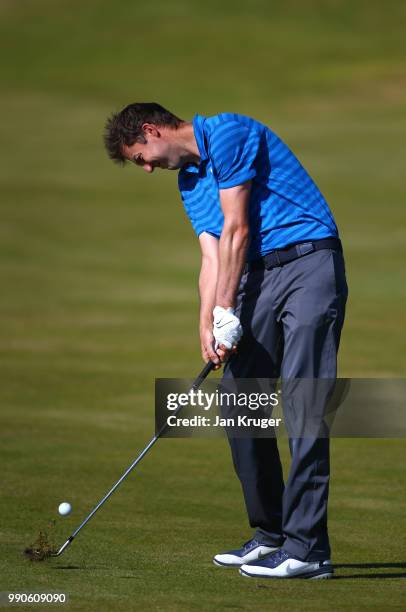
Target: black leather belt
<point>278,257</point>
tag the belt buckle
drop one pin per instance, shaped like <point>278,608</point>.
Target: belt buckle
<point>305,248</point>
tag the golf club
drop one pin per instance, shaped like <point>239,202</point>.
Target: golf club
<point>42,553</point>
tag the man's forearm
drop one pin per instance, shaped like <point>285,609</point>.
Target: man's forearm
<point>233,246</point>
<point>207,290</point>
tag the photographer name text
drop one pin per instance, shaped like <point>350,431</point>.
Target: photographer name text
<point>240,421</point>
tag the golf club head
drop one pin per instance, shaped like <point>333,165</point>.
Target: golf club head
<point>57,553</point>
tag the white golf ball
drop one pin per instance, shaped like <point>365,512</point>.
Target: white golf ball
<point>64,509</point>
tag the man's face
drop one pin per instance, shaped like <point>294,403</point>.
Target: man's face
<point>156,152</point>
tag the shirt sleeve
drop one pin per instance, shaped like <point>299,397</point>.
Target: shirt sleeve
<point>233,151</point>
<point>204,212</point>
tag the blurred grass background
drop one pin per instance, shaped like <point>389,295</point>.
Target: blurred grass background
<point>99,273</point>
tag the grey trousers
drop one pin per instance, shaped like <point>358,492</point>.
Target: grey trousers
<point>292,318</point>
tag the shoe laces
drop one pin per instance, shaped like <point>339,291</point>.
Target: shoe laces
<point>278,556</point>
<point>252,543</point>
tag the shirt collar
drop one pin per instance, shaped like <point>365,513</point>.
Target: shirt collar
<point>198,128</point>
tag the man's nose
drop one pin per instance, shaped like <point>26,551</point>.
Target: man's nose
<point>148,168</point>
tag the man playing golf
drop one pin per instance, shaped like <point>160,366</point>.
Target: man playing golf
<point>272,281</point>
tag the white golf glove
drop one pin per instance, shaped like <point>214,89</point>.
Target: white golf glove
<point>227,328</point>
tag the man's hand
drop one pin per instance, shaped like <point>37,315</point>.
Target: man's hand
<point>227,330</point>
<point>207,342</point>
<point>207,346</point>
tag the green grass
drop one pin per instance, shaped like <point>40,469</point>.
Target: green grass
<point>99,273</point>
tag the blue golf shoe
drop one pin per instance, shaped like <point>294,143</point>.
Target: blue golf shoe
<point>280,564</point>
<point>250,551</point>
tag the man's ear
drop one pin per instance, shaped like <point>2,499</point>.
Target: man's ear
<point>150,129</point>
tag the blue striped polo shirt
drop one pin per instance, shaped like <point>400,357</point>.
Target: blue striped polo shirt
<point>285,204</point>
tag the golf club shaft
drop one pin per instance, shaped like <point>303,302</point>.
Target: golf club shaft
<point>196,384</point>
